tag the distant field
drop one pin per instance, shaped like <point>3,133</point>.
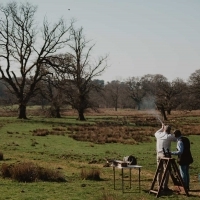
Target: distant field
<point>71,147</point>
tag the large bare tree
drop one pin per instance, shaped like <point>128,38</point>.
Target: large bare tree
<point>24,49</point>
<point>53,85</point>
<point>81,71</point>
<point>135,90</point>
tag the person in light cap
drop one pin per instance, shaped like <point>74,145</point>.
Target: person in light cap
<point>163,141</point>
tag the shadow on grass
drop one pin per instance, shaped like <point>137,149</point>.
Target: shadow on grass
<point>172,193</point>
<point>194,191</point>
<point>162,193</point>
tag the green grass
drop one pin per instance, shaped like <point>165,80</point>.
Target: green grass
<point>69,156</point>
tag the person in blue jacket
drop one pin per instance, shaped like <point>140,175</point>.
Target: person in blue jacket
<point>184,156</point>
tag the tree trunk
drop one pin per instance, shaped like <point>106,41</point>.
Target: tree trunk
<point>58,113</point>
<point>169,111</point>
<point>55,112</point>
<point>22,111</point>
<point>162,110</point>
<point>138,106</point>
<point>81,115</point>
<point>116,105</point>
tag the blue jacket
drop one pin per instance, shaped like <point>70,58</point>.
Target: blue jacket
<point>183,151</point>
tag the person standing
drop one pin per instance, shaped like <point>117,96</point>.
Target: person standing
<point>163,140</point>
<point>184,156</point>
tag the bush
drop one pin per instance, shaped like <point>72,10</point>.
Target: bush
<point>5,170</point>
<point>50,175</point>
<point>24,172</point>
<point>92,174</point>
<point>30,172</point>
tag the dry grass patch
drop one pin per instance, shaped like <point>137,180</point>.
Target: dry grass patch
<point>45,132</point>
<point>110,134</point>
<point>91,174</point>
<point>133,128</point>
<point>40,132</point>
<point>30,172</point>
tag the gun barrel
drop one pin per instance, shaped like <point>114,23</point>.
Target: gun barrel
<point>160,120</point>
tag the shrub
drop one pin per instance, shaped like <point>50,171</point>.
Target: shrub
<point>50,175</point>
<point>24,172</point>
<point>5,170</point>
<point>30,172</point>
<point>92,174</point>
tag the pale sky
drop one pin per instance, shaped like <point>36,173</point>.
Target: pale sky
<point>141,36</point>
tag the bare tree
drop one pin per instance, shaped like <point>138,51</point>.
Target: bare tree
<point>81,71</point>
<point>155,84</point>
<point>174,94</point>
<point>167,95</point>
<point>23,54</point>
<point>53,84</point>
<point>193,97</point>
<point>135,90</point>
<point>52,91</point>
<point>113,93</point>
<point>97,94</point>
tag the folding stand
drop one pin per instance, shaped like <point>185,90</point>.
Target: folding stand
<point>129,167</point>
<point>171,167</point>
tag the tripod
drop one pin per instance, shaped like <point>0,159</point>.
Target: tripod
<point>173,170</point>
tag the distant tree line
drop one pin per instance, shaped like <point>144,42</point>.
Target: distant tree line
<point>147,92</point>
<point>34,71</point>
<point>153,91</point>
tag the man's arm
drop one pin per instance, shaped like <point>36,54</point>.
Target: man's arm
<point>173,138</point>
<point>179,149</point>
<point>160,130</point>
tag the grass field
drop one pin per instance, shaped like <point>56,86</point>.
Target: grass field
<point>70,147</point>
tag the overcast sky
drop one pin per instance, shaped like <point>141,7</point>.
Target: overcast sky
<point>141,36</point>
